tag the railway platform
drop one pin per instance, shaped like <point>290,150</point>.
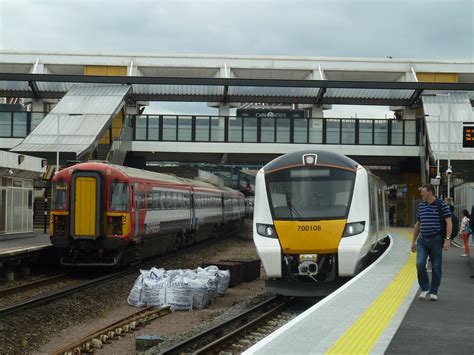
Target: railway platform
<point>378,311</point>
<point>21,249</point>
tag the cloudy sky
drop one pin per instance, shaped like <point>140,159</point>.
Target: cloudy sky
<point>437,29</point>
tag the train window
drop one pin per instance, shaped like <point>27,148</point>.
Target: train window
<point>156,200</point>
<point>309,195</point>
<point>119,196</point>
<point>179,200</point>
<point>149,200</point>
<point>59,197</point>
<point>141,200</point>
<point>309,173</point>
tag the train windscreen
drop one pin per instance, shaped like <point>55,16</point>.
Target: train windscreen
<point>59,195</point>
<point>310,193</point>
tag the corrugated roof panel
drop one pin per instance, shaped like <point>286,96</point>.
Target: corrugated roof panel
<point>83,115</point>
<point>46,86</point>
<point>369,94</point>
<point>193,90</point>
<point>14,85</point>
<point>272,91</point>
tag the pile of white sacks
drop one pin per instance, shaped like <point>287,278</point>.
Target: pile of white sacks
<point>179,289</point>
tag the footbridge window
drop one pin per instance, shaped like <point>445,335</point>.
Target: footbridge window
<point>276,130</point>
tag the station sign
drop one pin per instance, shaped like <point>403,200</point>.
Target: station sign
<point>270,113</point>
<point>468,137</point>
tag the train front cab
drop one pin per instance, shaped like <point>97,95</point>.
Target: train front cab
<point>310,222</point>
<point>90,219</point>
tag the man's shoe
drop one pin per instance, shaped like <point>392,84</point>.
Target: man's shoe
<point>433,297</point>
<point>465,255</point>
<point>423,295</point>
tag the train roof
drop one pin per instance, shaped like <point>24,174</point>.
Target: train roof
<point>142,174</point>
<point>323,158</point>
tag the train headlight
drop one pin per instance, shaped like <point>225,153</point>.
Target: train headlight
<point>353,229</point>
<point>266,230</point>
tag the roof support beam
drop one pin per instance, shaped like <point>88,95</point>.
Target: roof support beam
<point>34,88</point>
<point>224,96</point>
<point>319,98</point>
<point>415,98</point>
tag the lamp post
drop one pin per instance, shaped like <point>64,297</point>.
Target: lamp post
<point>57,146</point>
<point>438,173</point>
<point>449,170</point>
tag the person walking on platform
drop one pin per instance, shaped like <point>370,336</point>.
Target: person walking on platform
<point>430,237</point>
<point>465,231</point>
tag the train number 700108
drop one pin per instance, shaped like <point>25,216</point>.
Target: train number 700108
<point>310,228</point>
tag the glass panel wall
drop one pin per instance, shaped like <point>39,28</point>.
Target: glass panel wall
<point>333,131</point>
<point>410,132</point>
<point>169,128</point>
<point>316,130</point>
<point>19,124</point>
<point>381,132</point>
<point>283,130</point>
<point>217,129</point>
<point>153,128</point>
<point>300,130</point>
<point>365,131</point>
<point>250,129</point>
<point>397,132</point>
<point>235,129</point>
<point>348,131</point>
<point>202,129</point>
<point>184,128</point>
<point>140,128</point>
<point>212,128</point>
<point>267,130</point>
<point>5,124</point>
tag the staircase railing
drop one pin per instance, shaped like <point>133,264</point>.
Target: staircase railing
<point>121,145</point>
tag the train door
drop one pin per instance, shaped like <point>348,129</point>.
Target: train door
<point>85,204</point>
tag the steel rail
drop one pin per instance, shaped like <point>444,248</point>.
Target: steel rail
<point>201,337</point>
<point>31,285</point>
<point>111,331</point>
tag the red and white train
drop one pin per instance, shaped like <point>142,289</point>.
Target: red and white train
<point>103,214</point>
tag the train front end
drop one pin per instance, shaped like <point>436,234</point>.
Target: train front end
<point>90,218</point>
<point>302,204</point>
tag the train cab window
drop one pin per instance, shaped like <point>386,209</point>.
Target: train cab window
<point>59,196</point>
<point>119,196</point>
<point>310,193</point>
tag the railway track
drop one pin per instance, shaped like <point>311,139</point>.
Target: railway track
<point>97,339</point>
<point>241,332</point>
<point>32,285</point>
<point>58,294</point>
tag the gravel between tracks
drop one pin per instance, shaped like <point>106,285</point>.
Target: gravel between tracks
<point>50,327</point>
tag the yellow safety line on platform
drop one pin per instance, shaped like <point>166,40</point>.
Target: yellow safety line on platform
<point>364,333</point>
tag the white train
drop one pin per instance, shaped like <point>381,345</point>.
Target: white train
<point>317,216</point>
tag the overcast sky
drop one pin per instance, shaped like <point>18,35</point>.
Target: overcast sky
<point>348,28</point>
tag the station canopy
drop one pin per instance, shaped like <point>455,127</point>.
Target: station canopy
<point>446,114</point>
<point>78,121</point>
<point>224,90</point>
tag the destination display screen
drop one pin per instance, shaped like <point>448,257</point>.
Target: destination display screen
<point>468,137</point>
